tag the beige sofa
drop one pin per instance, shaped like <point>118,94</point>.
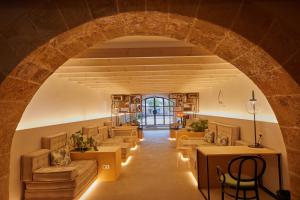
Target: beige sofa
<point>101,135</point>
<point>46,182</point>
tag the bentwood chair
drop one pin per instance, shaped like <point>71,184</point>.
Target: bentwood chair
<point>244,173</point>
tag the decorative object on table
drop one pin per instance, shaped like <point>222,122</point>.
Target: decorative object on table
<point>253,109</point>
<point>199,126</point>
<point>83,143</point>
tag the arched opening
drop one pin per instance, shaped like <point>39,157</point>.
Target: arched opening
<point>158,111</point>
<point>18,88</point>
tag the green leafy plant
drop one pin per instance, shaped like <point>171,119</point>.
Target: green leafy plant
<point>83,143</point>
<point>199,126</point>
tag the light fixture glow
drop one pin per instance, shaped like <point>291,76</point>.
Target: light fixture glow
<point>192,177</point>
<point>90,190</point>
<point>134,148</point>
<point>127,161</point>
<point>183,158</point>
<point>142,139</point>
<point>172,139</point>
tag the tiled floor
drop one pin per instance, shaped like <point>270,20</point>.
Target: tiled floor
<point>151,174</point>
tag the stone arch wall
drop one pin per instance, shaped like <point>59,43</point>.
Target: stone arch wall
<point>37,37</point>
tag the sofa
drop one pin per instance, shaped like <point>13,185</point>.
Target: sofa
<point>43,181</point>
<point>104,137</point>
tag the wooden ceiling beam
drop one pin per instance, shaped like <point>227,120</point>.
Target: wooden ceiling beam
<point>212,59</point>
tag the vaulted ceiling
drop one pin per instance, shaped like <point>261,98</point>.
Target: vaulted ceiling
<point>144,64</point>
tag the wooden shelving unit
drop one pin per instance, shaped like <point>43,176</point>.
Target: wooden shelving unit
<point>127,106</point>
<point>185,102</point>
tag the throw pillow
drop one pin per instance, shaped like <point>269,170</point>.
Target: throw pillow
<point>60,157</point>
<point>222,140</point>
<point>209,136</point>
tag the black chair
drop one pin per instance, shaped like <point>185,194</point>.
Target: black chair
<point>237,179</point>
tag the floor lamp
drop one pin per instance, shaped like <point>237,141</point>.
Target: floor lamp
<point>252,108</point>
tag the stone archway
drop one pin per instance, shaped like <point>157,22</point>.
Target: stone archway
<point>222,32</point>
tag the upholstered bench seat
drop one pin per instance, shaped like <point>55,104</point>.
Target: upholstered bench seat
<point>55,174</point>
<point>46,182</point>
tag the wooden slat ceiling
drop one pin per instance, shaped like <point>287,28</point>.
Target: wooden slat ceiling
<point>134,67</point>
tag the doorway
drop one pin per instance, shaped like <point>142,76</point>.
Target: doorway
<point>157,112</point>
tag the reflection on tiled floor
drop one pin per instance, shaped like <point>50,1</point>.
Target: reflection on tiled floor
<point>151,174</point>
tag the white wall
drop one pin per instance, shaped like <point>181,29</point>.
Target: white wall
<point>59,105</point>
<point>236,92</point>
<point>29,140</point>
<point>61,101</point>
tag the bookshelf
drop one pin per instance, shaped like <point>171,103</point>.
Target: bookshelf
<point>185,102</point>
<point>126,107</point>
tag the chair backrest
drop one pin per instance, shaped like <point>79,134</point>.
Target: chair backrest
<point>247,168</point>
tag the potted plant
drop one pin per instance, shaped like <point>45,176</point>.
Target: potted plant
<point>83,143</point>
<point>199,126</point>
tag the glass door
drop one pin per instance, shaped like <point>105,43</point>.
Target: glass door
<point>157,111</point>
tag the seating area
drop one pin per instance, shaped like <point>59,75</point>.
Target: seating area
<point>213,86</point>
<point>59,171</point>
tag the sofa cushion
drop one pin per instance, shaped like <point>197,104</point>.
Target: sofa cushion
<point>55,142</point>
<point>64,173</point>
<point>55,173</point>
<point>84,170</point>
<point>115,140</point>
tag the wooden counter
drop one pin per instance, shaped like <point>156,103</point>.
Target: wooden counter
<point>234,150</point>
<point>108,158</point>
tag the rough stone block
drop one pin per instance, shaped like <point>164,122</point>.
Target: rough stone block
<point>219,12</point>
<point>102,8</point>
<point>134,23</point>
<point>187,8</point>
<point>157,5</point>
<point>293,160</point>
<point>232,46</point>
<point>7,131</point>
<point>47,19</point>
<point>74,12</point>
<point>206,34</point>
<point>4,187</point>
<point>256,61</point>
<point>295,182</point>
<point>287,109</point>
<point>252,22</point>
<point>11,112</point>
<point>31,72</point>
<point>292,66</point>
<point>287,42</point>
<point>156,23</point>
<point>132,5</point>
<point>17,90</point>
<point>22,36</point>
<point>270,82</point>
<point>178,27</point>
<point>4,164</point>
<point>47,56</point>
<point>112,26</point>
<point>291,136</point>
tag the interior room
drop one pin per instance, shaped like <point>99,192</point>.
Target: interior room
<point>149,100</point>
